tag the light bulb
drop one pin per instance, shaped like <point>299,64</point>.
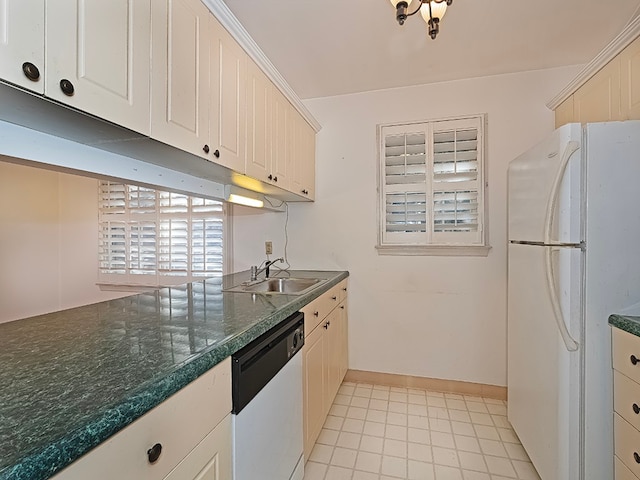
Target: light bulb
<point>438,9</point>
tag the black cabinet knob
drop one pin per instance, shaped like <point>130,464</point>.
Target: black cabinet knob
<point>315,314</point>
<point>334,298</point>
<point>344,289</point>
<point>154,453</point>
<point>275,179</point>
<point>636,408</point>
<point>342,307</point>
<point>270,177</point>
<point>67,87</point>
<point>31,71</point>
<point>634,359</point>
<point>305,192</point>
<point>636,457</point>
<point>326,326</point>
<point>206,149</point>
<point>216,154</point>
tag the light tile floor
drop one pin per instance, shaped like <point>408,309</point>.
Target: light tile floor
<point>375,432</point>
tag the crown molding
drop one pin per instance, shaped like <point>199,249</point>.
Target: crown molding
<point>628,35</point>
<point>238,32</point>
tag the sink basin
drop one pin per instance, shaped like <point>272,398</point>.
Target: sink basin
<point>287,286</point>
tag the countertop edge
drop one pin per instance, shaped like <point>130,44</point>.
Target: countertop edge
<point>628,323</point>
<point>61,453</point>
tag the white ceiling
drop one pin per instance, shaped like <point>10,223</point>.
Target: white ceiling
<point>332,47</point>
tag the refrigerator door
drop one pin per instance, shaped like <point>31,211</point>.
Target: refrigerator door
<point>543,376</point>
<point>544,190</point>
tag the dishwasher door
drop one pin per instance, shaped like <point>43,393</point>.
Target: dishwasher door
<point>268,443</point>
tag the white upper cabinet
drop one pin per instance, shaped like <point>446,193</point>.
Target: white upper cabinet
<point>259,105</point>
<point>303,161</point>
<point>166,69</point>
<point>97,58</point>
<point>22,43</point>
<point>227,113</point>
<point>281,121</point>
<point>180,104</point>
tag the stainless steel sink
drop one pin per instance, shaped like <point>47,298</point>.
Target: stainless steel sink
<point>287,286</point>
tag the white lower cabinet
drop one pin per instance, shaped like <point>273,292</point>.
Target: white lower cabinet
<point>626,404</point>
<point>324,359</point>
<point>211,459</point>
<point>192,427</point>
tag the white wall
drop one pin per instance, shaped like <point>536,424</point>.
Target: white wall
<point>439,317</point>
<point>48,241</point>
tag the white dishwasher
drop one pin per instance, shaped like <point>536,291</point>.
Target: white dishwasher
<point>267,405</point>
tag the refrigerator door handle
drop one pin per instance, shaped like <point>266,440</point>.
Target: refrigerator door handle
<point>570,344</point>
<point>570,148</point>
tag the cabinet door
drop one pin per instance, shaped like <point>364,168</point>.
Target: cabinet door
<point>630,81</point>
<point>99,54</point>
<point>21,41</point>
<point>344,341</point>
<point>259,95</point>
<point>598,100</point>
<point>281,119</point>
<point>211,459</point>
<point>179,113</point>
<point>333,346</point>
<point>227,128</point>
<point>303,159</point>
<point>314,387</point>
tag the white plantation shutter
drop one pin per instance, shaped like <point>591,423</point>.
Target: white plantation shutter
<point>432,183</point>
<point>155,238</point>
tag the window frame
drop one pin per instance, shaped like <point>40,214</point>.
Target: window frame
<point>127,281</point>
<point>432,242</point>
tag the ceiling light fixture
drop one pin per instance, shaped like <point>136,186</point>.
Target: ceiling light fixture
<point>431,10</point>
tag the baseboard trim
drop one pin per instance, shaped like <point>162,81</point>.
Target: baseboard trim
<point>424,383</point>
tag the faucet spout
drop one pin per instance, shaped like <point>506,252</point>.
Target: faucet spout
<point>255,271</point>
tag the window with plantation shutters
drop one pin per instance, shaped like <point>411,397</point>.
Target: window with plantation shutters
<point>156,238</point>
<point>432,183</point>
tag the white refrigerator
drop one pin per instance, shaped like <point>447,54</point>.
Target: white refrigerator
<point>574,258</point>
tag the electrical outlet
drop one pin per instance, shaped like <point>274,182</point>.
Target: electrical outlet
<point>268,248</point>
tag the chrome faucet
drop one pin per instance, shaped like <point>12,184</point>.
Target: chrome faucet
<point>255,271</point>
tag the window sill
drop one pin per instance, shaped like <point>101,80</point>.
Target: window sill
<point>435,250</point>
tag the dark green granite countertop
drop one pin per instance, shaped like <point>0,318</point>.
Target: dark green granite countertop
<point>73,378</point>
<point>627,323</point>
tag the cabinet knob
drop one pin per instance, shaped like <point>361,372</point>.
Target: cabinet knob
<point>275,179</point>
<point>315,314</point>
<point>634,359</point>
<point>31,71</point>
<point>67,87</point>
<point>334,298</point>
<point>342,307</point>
<point>326,325</point>
<point>154,453</point>
<point>206,149</point>
<point>636,457</point>
<point>270,177</point>
<point>344,289</point>
<point>216,154</point>
<point>306,192</point>
<point>636,408</point>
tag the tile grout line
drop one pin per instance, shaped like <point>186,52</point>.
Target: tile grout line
<point>370,434</point>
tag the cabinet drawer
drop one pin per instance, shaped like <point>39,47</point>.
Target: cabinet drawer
<point>318,309</point>
<point>626,399</point>
<point>626,354</point>
<point>627,444</point>
<point>178,424</point>
<point>622,472</point>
